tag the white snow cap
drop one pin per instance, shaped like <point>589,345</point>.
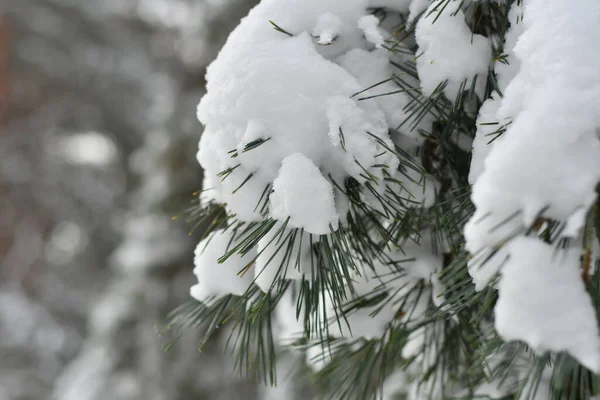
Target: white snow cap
<point>416,8</point>
<point>328,28</point>
<point>372,67</point>
<point>369,24</point>
<point>546,160</point>
<point>489,124</point>
<point>267,85</point>
<point>216,279</point>
<point>301,193</point>
<point>450,51</point>
<point>489,127</point>
<point>542,301</point>
<point>548,156</point>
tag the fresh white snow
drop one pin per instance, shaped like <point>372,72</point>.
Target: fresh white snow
<point>543,302</point>
<point>369,25</point>
<point>545,163</point>
<point>328,28</point>
<point>217,280</point>
<point>449,51</point>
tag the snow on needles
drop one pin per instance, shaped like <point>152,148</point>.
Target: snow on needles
<point>328,28</point>
<point>284,90</point>
<point>220,279</point>
<point>540,289</point>
<point>369,25</point>
<point>301,193</point>
<point>545,163</point>
<point>450,51</point>
<point>489,125</point>
<point>286,128</point>
<point>548,156</point>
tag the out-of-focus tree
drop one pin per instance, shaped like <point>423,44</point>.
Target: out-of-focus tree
<point>97,153</point>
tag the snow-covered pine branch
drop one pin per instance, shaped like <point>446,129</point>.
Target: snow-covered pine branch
<point>337,155</point>
<point>538,180</point>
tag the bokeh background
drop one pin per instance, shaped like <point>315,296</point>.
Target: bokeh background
<point>98,135</point>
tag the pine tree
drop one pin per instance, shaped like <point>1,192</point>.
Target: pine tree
<point>402,194</point>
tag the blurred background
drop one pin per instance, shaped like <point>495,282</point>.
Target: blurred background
<point>98,135</point>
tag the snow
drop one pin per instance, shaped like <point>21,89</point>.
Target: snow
<point>303,195</point>
<point>220,279</point>
<point>488,127</point>
<point>488,123</point>
<point>373,67</point>
<point>485,265</point>
<point>427,363</point>
<point>365,322</point>
<point>418,258</point>
<point>538,389</point>
<point>542,301</point>
<point>493,386</point>
<point>506,71</point>
<point>546,160</point>
<point>297,98</point>
<point>548,157</point>
<point>328,28</point>
<point>450,51</point>
<point>318,356</point>
<point>286,90</point>
<point>369,25</point>
<point>575,224</point>
<point>348,124</point>
<point>417,7</point>
<point>393,385</point>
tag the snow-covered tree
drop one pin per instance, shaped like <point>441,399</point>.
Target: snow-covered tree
<point>403,193</point>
